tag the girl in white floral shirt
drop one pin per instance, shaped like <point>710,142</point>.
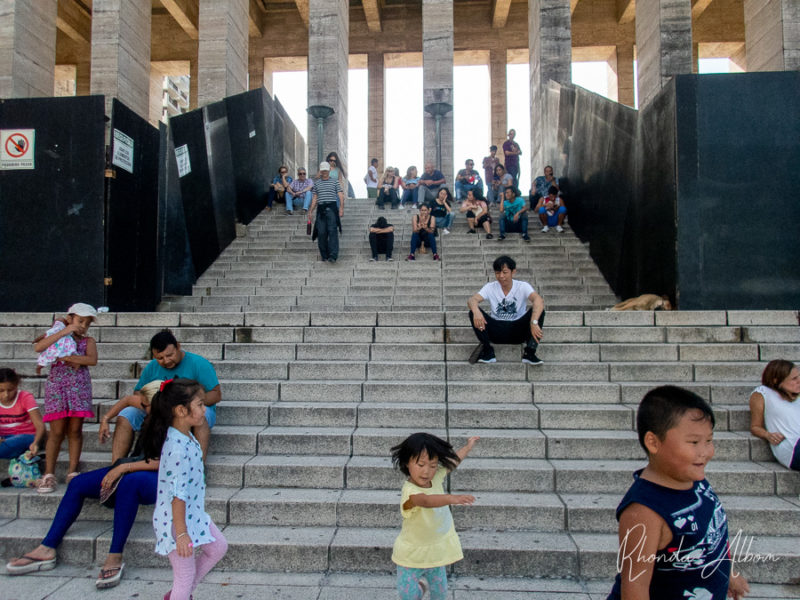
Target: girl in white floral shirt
<point>179,519</point>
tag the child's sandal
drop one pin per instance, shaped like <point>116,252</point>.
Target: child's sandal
<point>71,476</point>
<point>47,485</point>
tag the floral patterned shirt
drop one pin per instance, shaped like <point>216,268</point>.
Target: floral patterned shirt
<point>180,475</point>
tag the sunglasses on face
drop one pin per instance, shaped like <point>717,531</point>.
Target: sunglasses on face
<point>301,172</point>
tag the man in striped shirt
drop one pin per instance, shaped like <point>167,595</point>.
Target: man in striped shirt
<point>328,200</point>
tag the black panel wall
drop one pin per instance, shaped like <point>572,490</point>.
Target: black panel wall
<point>51,217</point>
<point>132,218</point>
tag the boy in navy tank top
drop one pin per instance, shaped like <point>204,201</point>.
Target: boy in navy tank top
<point>673,532</point>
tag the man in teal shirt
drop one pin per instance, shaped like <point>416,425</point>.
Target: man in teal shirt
<point>169,362</point>
<point>514,214</point>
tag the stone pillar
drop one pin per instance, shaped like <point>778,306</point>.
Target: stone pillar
<point>121,53</point>
<point>663,43</point>
<point>328,55</point>
<point>193,84</point>
<point>437,79</point>
<point>156,96</point>
<point>625,88</point>
<point>223,27</point>
<point>772,35</point>
<point>255,75</point>
<point>377,109</point>
<point>550,58</point>
<point>498,96</point>
<point>83,78</point>
<point>28,43</point>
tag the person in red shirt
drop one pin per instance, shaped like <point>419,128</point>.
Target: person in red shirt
<point>21,425</point>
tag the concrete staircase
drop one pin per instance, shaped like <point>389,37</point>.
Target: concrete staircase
<point>325,367</point>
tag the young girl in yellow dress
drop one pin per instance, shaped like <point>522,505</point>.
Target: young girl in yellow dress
<point>428,541</point>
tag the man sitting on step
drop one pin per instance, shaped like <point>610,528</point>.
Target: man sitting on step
<point>509,322</point>
<point>169,362</point>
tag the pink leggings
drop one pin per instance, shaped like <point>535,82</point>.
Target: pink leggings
<point>188,572</point>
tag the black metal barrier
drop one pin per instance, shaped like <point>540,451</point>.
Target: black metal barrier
<point>132,213</point>
<point>51,203</point>
<point>695,196</point>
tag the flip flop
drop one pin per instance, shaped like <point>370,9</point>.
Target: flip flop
<point>71,476</point>
<point>36,565</point>
<point>104,581</point>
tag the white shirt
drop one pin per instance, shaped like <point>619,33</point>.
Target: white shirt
<point>374,172</point>
<point>783,416</point>
<point>507,307</point>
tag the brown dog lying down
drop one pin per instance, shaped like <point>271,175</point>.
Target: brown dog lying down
<point>645,302</point>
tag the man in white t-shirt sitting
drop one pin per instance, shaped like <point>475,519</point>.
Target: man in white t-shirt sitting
<point>510,321</point>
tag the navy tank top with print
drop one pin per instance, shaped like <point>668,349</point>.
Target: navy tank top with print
<point>694,565</point>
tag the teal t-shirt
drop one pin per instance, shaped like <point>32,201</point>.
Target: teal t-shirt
<point>193,366</point>
<point>512,208</point>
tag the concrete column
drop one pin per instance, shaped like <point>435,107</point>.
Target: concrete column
<point>498,96</point>
<point>121,53</point>
<point>663,43</point>
<point>156,96</point>
<point>83,78</point>
<point>268,80</point>
<point>377,108</point>
<point>550,58</point>
<point>27,48</point>
<point>255,77</point>
<point>437,79</point>
<point>695,57</point>
<point>193,84</point>
<point>625,88</point>
<point>223,27</point>
<point>328,50</point>
<point>772,35</point>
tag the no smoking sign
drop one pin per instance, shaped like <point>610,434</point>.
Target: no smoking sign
<point>16,148</point>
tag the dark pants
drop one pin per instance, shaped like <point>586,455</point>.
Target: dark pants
<point>795,464</point>
<point>327,232</point>
<point>138,487</point>
<point>381,243</point>
<point>508,225</point>
<point>507,332</point>
<point>390,195</point>
<point>418,238</point>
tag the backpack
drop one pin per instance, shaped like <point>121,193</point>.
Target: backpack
<point>24,471</point>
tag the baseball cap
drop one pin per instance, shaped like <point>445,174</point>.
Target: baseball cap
<point>85,310</point>
<point>324,166</point>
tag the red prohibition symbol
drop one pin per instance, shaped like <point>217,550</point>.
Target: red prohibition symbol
<point>16,145</point>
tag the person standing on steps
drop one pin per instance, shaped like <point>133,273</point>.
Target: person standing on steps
<point>371,179</point>
<point>511,151</point>
<point>327,194</point>
<point>509,321</point>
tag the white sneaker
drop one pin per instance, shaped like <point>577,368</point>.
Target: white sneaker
<point>560,229</point>
<point>445,231</point>
<point>545,229</point>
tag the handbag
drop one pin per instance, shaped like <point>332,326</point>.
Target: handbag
<point>108,495</point>
<point>24,470</point>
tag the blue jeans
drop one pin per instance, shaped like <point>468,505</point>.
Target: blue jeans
<point>409,196</point>
<point>521,225</point>
<point>418,238</point>
<point>135,416</point>
<point>14,445</point>
<point>445,222</point>
<point>462,188</point>
<point>292,199</point>
<point>138,487</point>
<point>327,232</point>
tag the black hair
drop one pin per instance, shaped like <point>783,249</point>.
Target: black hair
<point>338,162</point>
<point>175,392</point>
<point>373,161</point>
<point>662,408</point>
<point>448,198</point>
<point>160,341</point>
<point>9,376</point>
<point>381,223</point>
<point>477,193</point>
<point>413,445</point>
<point>512,188</point>
<point>503,261</point>
<point>492,147</point>
<point>553,190</point>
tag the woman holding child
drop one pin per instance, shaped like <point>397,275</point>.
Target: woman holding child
<point>775,413</point>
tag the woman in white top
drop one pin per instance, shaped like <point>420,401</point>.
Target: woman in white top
<point>774,412</point>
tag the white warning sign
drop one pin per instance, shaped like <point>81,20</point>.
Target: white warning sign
<point>122,155</point>
<point>182,156</point>
<point>16,148</point>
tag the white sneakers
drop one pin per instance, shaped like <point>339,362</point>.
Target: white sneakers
<point>445,231</point>
<point>545,229</point>
<point>560,229</point>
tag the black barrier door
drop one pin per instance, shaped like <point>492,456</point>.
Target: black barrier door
<point>51,203</point>
<point>131,234</point>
